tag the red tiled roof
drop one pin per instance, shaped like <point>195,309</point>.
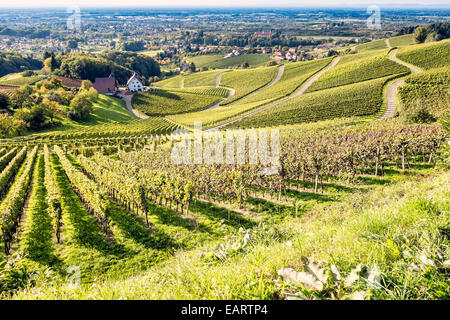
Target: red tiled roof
<point>69,82</point>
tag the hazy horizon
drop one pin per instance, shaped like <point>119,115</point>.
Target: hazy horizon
<point>224,4</point>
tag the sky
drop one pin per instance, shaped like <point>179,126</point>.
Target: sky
<point>221,3</point>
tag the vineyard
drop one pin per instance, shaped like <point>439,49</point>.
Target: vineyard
<point>247,81</point>
<point>355,68</point>
<point>360,99</point>
<point>107,199</point>
<point>428,88</point>
<point>166,102</point>
<point>427,55</point>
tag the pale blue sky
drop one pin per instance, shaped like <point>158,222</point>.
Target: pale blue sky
<point>222,3</point>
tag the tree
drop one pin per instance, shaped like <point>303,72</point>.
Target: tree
<point>4,100</point>
<point>11,126</point>
<point>22,97</point>
<point>52,108</point>
<point>86,85</point>
<point>80,107</point>
<point>420,34</point>
<point>192,67</point>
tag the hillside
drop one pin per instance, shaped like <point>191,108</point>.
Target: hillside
<point>348,200</point>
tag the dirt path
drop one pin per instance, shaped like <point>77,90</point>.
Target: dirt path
<point>298,93</point>
<point>388,43</point>
<point>128,99</point>
<point>391,104</point>
<point>230,94</point>
<point>218,79</point>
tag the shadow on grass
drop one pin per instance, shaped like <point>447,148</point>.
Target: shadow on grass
<point>86,231</point>
<point>169,217</point>
<point>216,213</point>
<point>309,196</point>
<point>135,228</point>
<point>265,206</point>
<point>327,186</point>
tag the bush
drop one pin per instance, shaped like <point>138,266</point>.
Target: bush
<point>81,107</point>
<point>418,113</point>
<point>10,126</point>
<point>28,73</point>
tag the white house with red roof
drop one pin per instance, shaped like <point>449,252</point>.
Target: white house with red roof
<point>135,83</point>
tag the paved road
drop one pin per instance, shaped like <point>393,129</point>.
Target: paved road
<point>392,88</point>
<point>127,99</point>
<point>298,93</point>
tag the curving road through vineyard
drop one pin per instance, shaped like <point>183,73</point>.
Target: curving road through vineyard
<point>391,104</point>
<point>127,99</point>
<point>303,88</point>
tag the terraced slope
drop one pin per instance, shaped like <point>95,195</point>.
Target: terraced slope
<point>166,102</point>
<point>401,41</point>
<point>427,55</point>
<point>247,81</point>
<point>202,79</point>
<point>372,45</point>
<point>358,99</point>
<point>360,67</point>
<point>293,77</point>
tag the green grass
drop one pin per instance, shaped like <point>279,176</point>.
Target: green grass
<point>426,55</point>
<point>376,224</point>
<point>355,68</point>
<point>372,45</point>
<point>218,62</point>
<point>17,80</point>
<point>36,241</point>
<point>165,102</point>
<point>106,110</point>
<point>358,99</point>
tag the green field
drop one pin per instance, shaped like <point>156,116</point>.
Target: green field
<point>355,68</point>
<point>359,99</point>
<point>429,88</point>
<point>427,55</point>
<point>17,80</point>
<point>218,62</point>
<point>293,77</point>
<point>401,41</point>
<point>166,102</point>
<point>372,45</point>
<point>247,81</point>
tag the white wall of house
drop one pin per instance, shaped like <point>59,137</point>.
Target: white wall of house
<point>135,85</point>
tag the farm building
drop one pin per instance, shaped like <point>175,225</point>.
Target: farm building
<point>135,83</point>
<point>108,86</point>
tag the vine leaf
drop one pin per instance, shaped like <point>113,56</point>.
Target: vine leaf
<point>307,279</point>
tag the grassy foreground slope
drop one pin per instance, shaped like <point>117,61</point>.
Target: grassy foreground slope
<point>396,224</point>
<point>427,55</point>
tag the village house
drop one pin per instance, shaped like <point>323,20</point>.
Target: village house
<point>108,86</point>
<point>135,83</point>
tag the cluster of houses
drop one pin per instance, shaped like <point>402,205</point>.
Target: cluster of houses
<point>290,55</point>
<point>110,86</point>
<point>235,53</point>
